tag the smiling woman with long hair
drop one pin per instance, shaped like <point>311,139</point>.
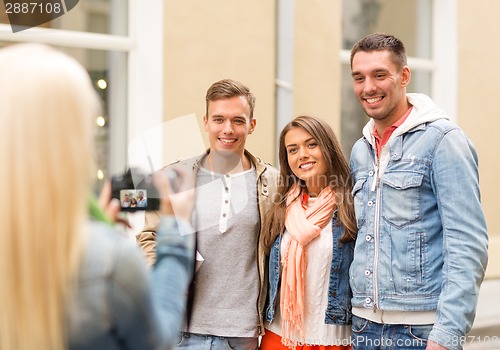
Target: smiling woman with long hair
<point>310,235</point>
<point>68,282</point>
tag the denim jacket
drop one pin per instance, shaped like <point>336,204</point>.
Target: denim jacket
<point>339,293</point>
<point>118,304</point>
<point>422,239</point>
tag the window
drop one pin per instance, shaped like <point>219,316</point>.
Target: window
<point>120,43</point>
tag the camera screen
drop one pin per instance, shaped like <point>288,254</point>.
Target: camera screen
<point>133,198</point>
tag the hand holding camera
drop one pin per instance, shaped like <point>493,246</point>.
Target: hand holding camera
<point>170,190</point>
<point>110,207</point>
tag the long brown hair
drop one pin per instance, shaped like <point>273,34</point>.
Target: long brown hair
<point>338,175</point>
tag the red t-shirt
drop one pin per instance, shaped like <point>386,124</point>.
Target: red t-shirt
<point>381,141</point>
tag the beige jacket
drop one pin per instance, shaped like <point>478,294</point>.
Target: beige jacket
<point>267,183</point>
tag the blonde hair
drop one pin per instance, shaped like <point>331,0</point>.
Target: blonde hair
<point>46,101</point>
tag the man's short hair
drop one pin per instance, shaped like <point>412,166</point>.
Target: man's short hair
<point>381,42</point>
<point>228,88</point>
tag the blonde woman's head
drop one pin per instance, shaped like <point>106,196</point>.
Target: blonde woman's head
<point>47,104</point>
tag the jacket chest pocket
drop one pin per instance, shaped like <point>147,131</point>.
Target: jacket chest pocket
<point>359,201</point>
<point>401,196</point>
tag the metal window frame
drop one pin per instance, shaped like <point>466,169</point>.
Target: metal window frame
<point>143,45</point>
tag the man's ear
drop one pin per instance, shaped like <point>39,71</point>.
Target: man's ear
<point>405,76</point>
<point>253,123</point>
<point>205,122</point>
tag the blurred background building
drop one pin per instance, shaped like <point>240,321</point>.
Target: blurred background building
<point>152,61</point>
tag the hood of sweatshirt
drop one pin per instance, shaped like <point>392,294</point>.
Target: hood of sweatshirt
<point>424,111</point>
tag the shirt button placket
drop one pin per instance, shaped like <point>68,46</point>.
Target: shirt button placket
<point>225,205</point>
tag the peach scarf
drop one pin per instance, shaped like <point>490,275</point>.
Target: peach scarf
<point>304,224</point>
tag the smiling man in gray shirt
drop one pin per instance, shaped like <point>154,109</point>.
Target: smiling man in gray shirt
<point>233,192</point>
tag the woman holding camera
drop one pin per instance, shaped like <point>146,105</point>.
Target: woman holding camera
<point>67,281</point>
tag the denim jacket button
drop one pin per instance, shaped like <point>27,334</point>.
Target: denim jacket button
<point>368,238</point>
<point>370,203</point>
<point>367,272</point>
<point>370,173</point>
<point>368,300</point>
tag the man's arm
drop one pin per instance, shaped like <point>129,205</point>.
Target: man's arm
<point>465,239</point>
<point>147,238</point>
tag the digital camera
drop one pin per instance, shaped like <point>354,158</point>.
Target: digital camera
<point>135,191</point>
